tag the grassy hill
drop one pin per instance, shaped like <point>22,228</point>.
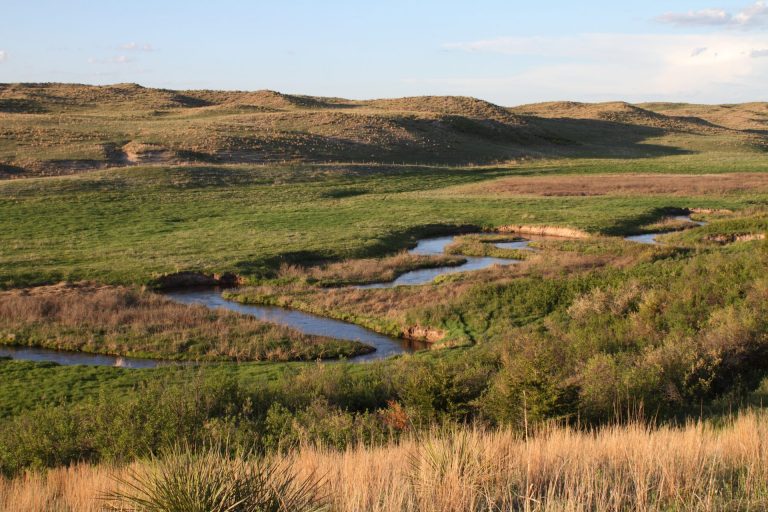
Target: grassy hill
<point>746,116</point>
<point>54,129</point>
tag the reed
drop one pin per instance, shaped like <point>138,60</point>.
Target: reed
<point>364,270</point>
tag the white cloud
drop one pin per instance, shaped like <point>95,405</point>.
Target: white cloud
<point>703,17</point>
<point>706,67</point>
<point>753,16</point>
<point>119,59</point>
<point>3,55</point>
<point>133,46</point>
<point>759,53</point>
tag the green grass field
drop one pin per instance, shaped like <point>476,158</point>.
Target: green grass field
<point>27,385</point>
<point>129,225</point>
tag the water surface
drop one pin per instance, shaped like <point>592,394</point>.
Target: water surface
<point>521,245</point>
<point>650,238</point>
<point>66,358</point>
<point>305,323</point>
<point>436,247</point>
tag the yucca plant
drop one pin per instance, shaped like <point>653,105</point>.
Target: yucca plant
<point>210,480</point>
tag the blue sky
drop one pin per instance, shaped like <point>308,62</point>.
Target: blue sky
<point>509,52</point>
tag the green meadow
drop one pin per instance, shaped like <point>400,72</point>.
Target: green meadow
<point>131,225</point>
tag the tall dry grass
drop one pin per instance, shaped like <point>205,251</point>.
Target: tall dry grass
<point>698,467</point>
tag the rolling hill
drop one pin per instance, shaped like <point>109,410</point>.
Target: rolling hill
<point>54,129</point>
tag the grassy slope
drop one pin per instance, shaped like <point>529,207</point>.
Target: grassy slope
<point>61,129</point>
<point>56,128</point>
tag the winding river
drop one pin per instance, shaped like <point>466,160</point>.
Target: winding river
<point>303,322</point>
<point>66,358</point>
<point>650,238</point>
<point>307,323</point>
<point>436,247</point>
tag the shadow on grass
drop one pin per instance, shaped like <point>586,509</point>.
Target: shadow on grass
<point>632,225</point>
<point>10,171</point>
<point>407,239</point>
<point>594,138</point>
<point>268,267</point>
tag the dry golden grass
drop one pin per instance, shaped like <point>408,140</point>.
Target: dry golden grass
<point>622,184</point>
<point>618,112</point>
<point>745,116</point>
<point>53,129</point>
<point>667,224</point>
<point>697,467</point>
<point>452,105</point>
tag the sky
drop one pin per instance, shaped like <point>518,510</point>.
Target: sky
<point>508,52</point>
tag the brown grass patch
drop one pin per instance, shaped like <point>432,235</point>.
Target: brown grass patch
<point>128,321</point>
<point>366,270</point>
<point>729,238</point>
<point>622,184</point>
<point>745,116</point>
<point>556,231</point>
<point>668,224</point>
